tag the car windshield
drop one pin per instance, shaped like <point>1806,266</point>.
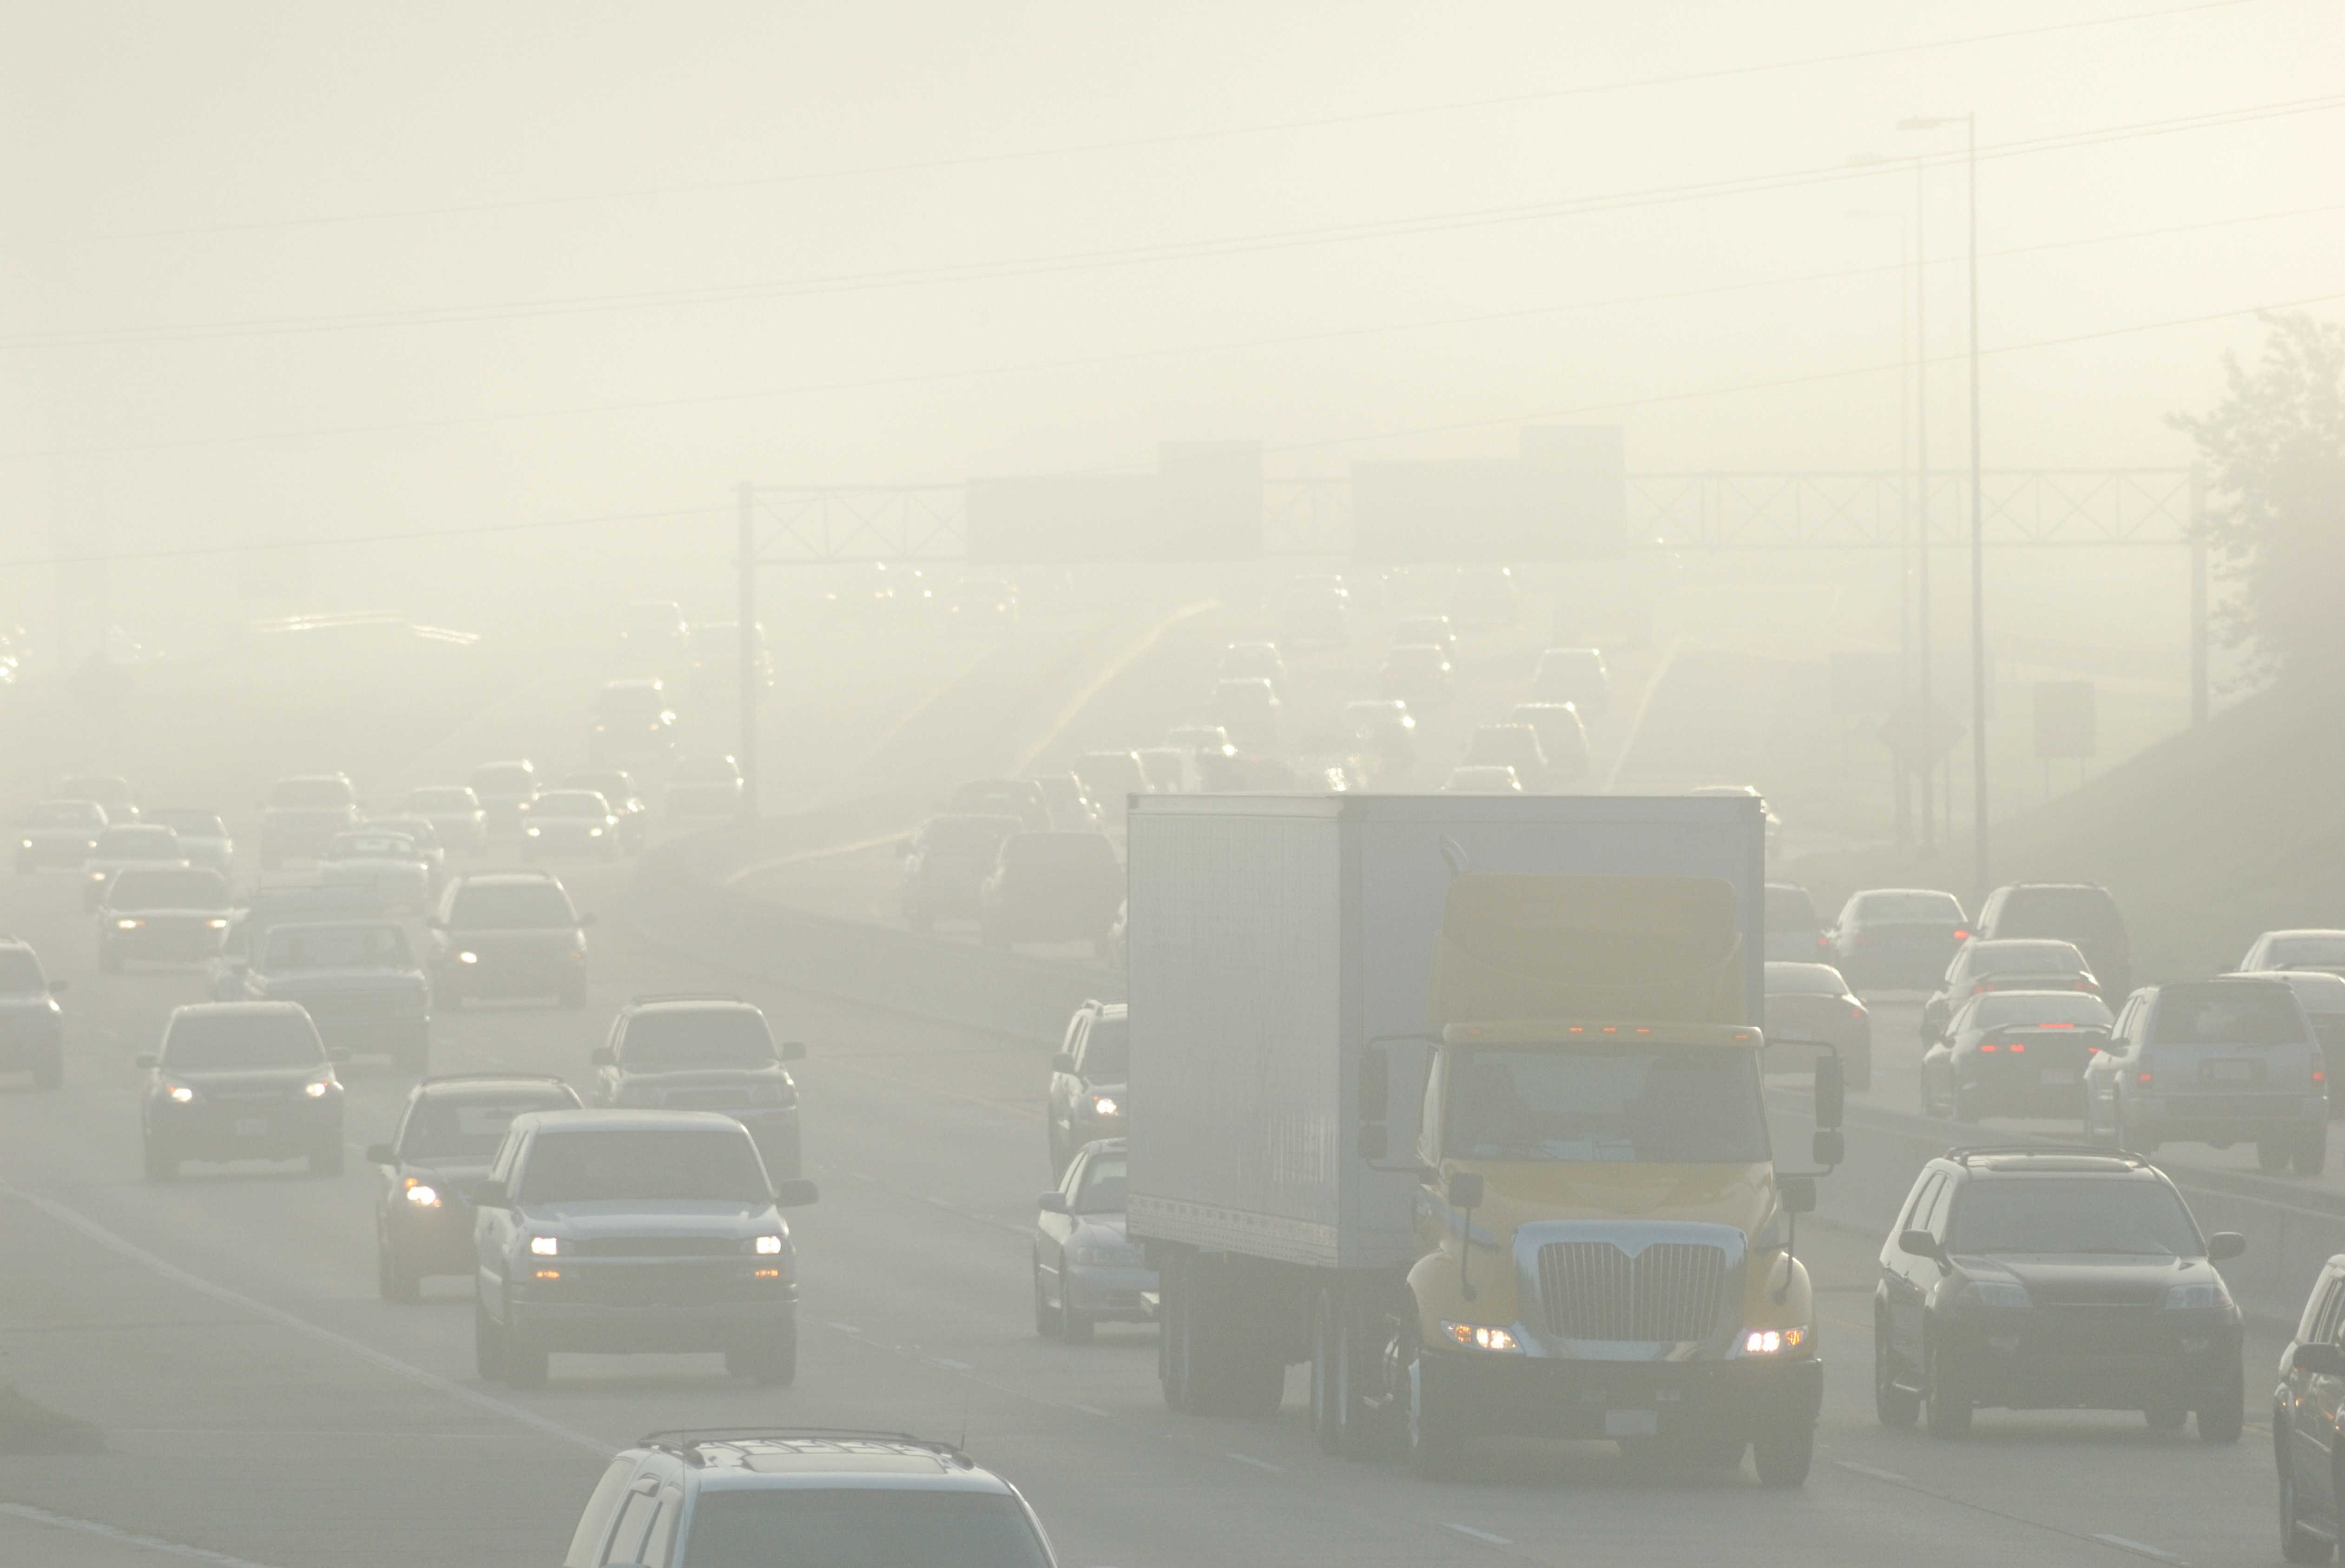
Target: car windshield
<point>336,948</point>
<point>1664,1104</point>
<point>443,801</point>
<point>2025,958</point>
<point>644,1165</point>
<point>189,823</point>
<point>452,1126</point>
<point>1804,980</point>
<point>967,835</point>
<point>1102,1191</point>
<point>512,906</point>
<point>2061,1214</point>
<point>371,846</point>
<point>214,1042</point>
<point>1107,1051</point>
<point>662,1037</point>
<point>310,794</point>
<point>1931,908</point>
<point>2075,1009</point>
<point>2253,1013</point>
<point>20,972</point>
<point>2069,912</point>
<point>168,890</point>
<point>507,779</point>
<point>138,843</point>
<point>65,813</point>
<point>860,1527</point>
<point>570,803</point>
<point>2322,947</point>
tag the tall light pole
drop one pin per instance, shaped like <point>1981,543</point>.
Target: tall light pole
<point>1980,873</point>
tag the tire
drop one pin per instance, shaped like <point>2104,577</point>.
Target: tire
<point>2296,1543</point>
<point>2272,1154</point>
<point>1046,1322</point>
<point>161,1166</point>
<point>393,1279</point>
<point>1949,1401</point>
<point>1784,1450</point>
<point>1891,1405</point>
<point>326,1160</point>
<point>1346,1351</point>
<point>50,1073</point>
<point>2311,1155</point>
<point>1074,1327</point>
<point>488,1344</point>
<point>2224,1416</point>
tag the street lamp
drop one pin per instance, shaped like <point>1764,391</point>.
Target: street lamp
<point>1969,122</point>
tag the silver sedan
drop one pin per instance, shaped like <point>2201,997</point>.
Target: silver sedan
<point>1086,1270</point>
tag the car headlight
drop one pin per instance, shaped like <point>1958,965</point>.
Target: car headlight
<point>97,876</point>
<point>217,925</point>
<point>545,1246</point>
<point>533,830</point>
<point>420,1195</point>
<point>593,833</point>
<point>315,1088</point>
<point>179,1092</point>
<point>128,925</point>
<point>1993,1293</point>
<point>767,1246</point>
<point>2201,1297</point>
<point>1129,1257</point>
<point>1105,1105</point>
<point>467,957</point>
<point>1773,1341</point>
<point>1477,1336</point>
<point>28,843</point>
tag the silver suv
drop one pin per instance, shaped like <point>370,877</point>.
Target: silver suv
<point>746,1497</point>
<point>2219,1062</point>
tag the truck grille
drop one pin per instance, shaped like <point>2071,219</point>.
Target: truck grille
<point>1672,1290</point>
<point>657,1247</point>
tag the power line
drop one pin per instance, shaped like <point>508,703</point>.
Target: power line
<point>1136,143</point>
<point>1088,361</point>
<point>1131,255</point>
<point>187,551</point>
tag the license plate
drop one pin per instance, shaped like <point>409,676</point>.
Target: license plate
<point>2059,1074</point>
<point>252,1127</point>
<point>2230,1072</point>
<point>1632,1423</point>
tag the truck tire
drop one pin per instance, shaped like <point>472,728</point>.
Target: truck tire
<point>1783,1450</point>
<point>1347,1353</point>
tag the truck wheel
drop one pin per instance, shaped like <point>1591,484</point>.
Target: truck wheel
<point>1784,1451</point>
<point>2312,1149</point>
<point>1346,1351</point>
<point>1432,1451</point>
<point>393,1279</point>
<point>1950,1400</point>
<point>488,1344</point>
<point>1892,1405</point>
<point>2222,1417</point>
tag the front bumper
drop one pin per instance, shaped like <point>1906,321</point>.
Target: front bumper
<point>2129,1360</point>
<point>284,1128</point>
<point>618,1328</point>
<point>1542,1396</point>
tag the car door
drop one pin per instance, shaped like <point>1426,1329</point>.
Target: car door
<point>492,1226</point>
<point>1064,1085</point>
<point>1904,1285</point>
<point>2312,1405</point>
<point>2104,1075</point>
<point>1054,1231</point>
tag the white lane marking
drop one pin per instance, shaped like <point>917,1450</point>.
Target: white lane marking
<point>1483,1536</point>
<point>2137,1548</point>
<point>1868,1470</point>
<point>948,1361</point>
<point>393,1365</point>
<point>127,1537</point>
<point>860,1177</point>
<point>937,1202</point>
<point>844,1328</point>
<point>1088,1409</point>
<point>1259,1463</point>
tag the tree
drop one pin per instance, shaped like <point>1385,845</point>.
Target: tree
<point>2274,448</point>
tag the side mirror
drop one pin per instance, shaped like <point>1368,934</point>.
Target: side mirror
<point>1373,1141</point>
<point>1798,1193</point>
<point>1051,1203</point>
<point>793,1050</point>
<point>1829,1146</point>
<point>604,1057</point>
<point>57,986</point>
<point>1064,1062</point>
<point>1375,1085</point>
<point>1831,1092</point>
<point>492,1195</point>
<point>796,1193</point>
<point>2225,1245</point>
<point>1920,1244</point>
<point>1466,1190</point>
<point>381,1154</point>
<point>145,1059</point>
<point>587,919</point>
<point>2321,1360</point>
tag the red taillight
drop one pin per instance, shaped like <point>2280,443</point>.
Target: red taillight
<point>2017,1047</point>
<point>1961,935</point>
<point>2318,1076</point>
<point>2055,1026</point>
<point>1990,1047</point>
<point>2141,1078</point>
<point>1857,1013</point>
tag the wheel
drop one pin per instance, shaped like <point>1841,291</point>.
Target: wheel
<point>1432,1451</point>
<point>393,1279</point>
<point>160,1165</point>
<point>2296,1543</point>
<point>1783,1452</point>
<point>1074,1327</point>
<point>2224,1415</point>
<point>1894,1406</point>
<point>488,1344</point>
<point>1346,1347</point>
<point>2311,1151</point>
<point>326,1160</point>
<point>1046,1322</point>
<point>525,1358</point>
<point>2271,1154</point>
<point>1949,1401</point>
<point>50,1073</point>
<point>109,962</point>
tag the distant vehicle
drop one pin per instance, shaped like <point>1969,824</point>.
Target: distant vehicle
<point>1314,616</point>
<point>1073,809</point>
<point>505,791</point>
<point>240,1080</point>
<point>716,658</point>
<point>1733,792</point>
<point>762,1495</point>
<point>272,907</point>
<point>1433,631</point>
<point>2009,966</point>
<point>1794,933</point>
<point>203,836</point>
<point>704,786</point>
<point>1253,661</point>
<point>58,832</point>
<point>447,1131</point>
<point>2078,912</point>
<point>946,864</point>
<point>507,933</point>
<point>626,802</point>
<point>2014,1053</point>
<point>360,982</point>
<point>2322,996</point>
<point>1809,1004</point>
<point>632,721</point>
<point>1574,675</point>
<point>2217,1062</point>
<point>1087,1098</point>
<point>1482,778</point>
<point>108,790</point>
<point>1561,736</point>
<point>1418,675</point>
<point>1893,938</point>
<point>1169,770</point>
<point>1111,778</point>
<point>425,838</point>
<point>1484,596</point>
<point>634,1230</point>
<point>1989,1239</point>
<point>1053,887</point>
<point>2321,950</point>
<point>1025,799</point>
<point>32,1024</point>
<point>1512,747</point>
<point>704,1052</point>
<point>576,822</point>
<point>1248,711</point>
<point>1385,731</point>
<point>392,864</point>
<point>653,635</point>
<point>119,848</point>
<point>455,813</point>
<point>1086,1270</point>
<point>1202,739</point>
<point>301,813</point>
<point>168,915</point>
<point>982,604</point>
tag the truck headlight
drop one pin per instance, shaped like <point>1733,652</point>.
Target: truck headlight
<point>467,957</point>
<point>1993,1293</point>
<point>1477,1336</point>
<point>1773,1341</point>
<point>767,1245</point>
<point>127,925</point>
<point>180,1093</point>
<point>545,1246</point>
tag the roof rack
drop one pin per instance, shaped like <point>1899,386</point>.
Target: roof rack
<point>2070,1151</point>
<point>525,1078</point>
<point>686,1440</point>
<point>684,996</point>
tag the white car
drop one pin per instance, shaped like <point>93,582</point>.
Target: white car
<point>457,817</point>
<point>202,835</point>
<point>389,863</point>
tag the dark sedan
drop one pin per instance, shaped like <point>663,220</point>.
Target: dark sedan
<point>2014,1053</point>
<point>1896,938</point>
<point>447,1133</point>
<point>240,1080</point>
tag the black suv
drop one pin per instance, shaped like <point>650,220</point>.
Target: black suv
<point>2078,912</point>
<point>32,1024</point>
<point>695,1051</point>
<point>508,934</point>
<point>447,1133</point>
<point>1087,1098</point>
<point>241,1080</point>
<point>2053,1278</point>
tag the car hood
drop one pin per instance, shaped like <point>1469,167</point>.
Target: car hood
<point>54,830</point>
<point>510,941</point>
<point>1099,1230</point>
<point>318,982</point>
<point>665,1217</point>
<point>2089,1279</point>
<point>35,1002</point>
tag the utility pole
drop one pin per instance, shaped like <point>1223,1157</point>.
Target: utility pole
<point>2197,595</point>
<point>1978,546</point>
<point>747,568</point>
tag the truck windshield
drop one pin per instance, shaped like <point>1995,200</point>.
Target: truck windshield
<point>1664,1104</point>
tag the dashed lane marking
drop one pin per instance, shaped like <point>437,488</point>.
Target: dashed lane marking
<point>127,1537</point>
<point>1088,1409</point>
<point>843,1328</point>
<point>1259,1463</point>
<point>2137,1548</point>
<point>1483,1536</point>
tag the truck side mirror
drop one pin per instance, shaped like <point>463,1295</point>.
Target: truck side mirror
<point>1798,1193</point>
<point>1920,1244</point>
<point>1831,1092</point>
<point>1829,1146</point>
<point>1375,1085</point>
<point>1466,1190</point>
